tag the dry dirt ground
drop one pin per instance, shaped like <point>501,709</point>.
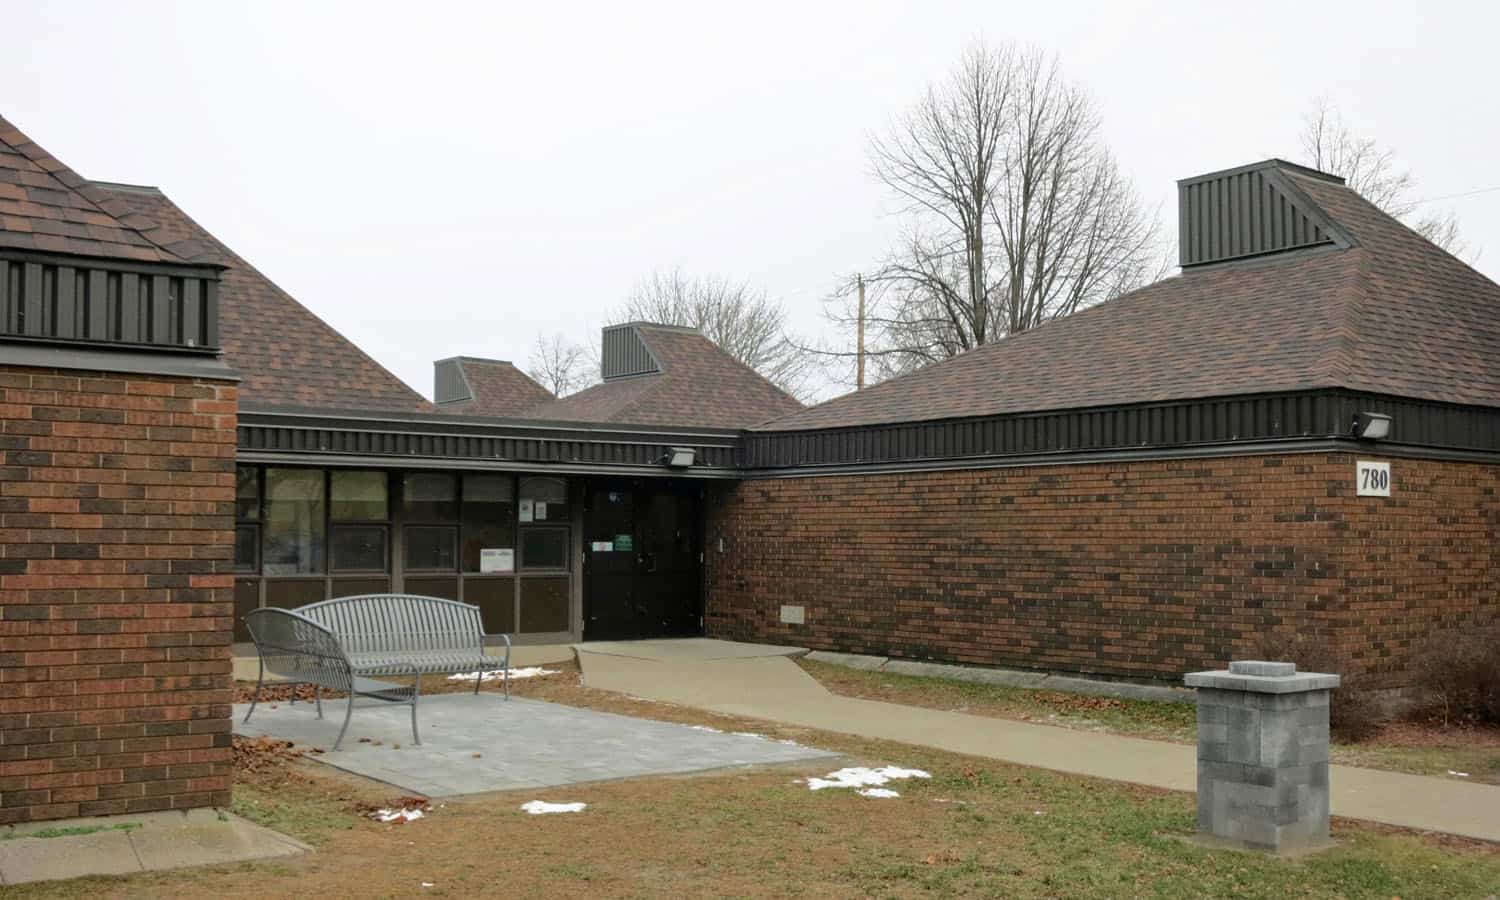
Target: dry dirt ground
<point>976,828</point>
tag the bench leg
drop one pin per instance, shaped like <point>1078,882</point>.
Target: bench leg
<point>318,698</point>
<point>416,691</point>
<point>256,699</point>
<point>347,713</point>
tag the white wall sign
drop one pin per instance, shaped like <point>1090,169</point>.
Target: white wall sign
<point>497,559</point>
<point>526,510</point>
<point>1372,479</point>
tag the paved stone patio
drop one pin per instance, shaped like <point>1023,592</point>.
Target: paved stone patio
<point>519,744</point>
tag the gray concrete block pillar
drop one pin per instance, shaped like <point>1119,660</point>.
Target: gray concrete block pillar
<point>1263,756</point>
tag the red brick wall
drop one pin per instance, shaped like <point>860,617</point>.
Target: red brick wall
<point>1141,569</point>
<point>116,517</point>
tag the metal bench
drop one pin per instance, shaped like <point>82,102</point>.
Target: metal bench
<point>343,644</point>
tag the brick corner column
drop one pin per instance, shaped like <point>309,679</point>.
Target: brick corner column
<point>116,546</point>
<point>1263,756</point>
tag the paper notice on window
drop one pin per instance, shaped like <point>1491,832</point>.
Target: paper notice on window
<point>497,559</point>
<point>541,511</point>
<point>526,511</point>
<point>602,546</point>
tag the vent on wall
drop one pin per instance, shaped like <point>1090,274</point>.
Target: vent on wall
<point>448,382</point>
<point>623,353</point>
<point>1250,211</point>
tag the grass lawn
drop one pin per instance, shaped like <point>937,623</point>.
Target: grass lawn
<point>1399,746</point>
<point>976,828</point>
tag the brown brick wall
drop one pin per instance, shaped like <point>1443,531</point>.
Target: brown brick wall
<point>1141,569</point>
<point>116,516</point>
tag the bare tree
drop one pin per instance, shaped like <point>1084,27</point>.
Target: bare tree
<point>560,365</point>
<point>1014,213</point>
<point>1371,169</point>
<point>741,319</point>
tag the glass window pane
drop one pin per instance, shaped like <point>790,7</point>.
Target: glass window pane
<point>544,500</point>
<point>246,543</point>
<point>293,538</point>
<point>359,497</point>
<point>247,493</point>
<point>359,548</point>
<point>544,548</point>
<point>430,497</point>
<point>489,517</point>
<point>429,547</point>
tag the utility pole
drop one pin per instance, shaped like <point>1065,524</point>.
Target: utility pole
<point>859,377</point>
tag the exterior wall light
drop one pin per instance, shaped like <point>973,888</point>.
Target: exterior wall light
<point>679,457</point>
<point>1372,426</point>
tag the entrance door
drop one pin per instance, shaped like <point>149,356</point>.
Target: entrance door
<point>643,560</point>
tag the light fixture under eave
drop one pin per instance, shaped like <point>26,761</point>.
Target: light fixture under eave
<point>680,457</point>
<point>1370,426</point>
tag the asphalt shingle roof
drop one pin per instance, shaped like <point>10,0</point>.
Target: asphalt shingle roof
<point>499,388</point>
<point>699,386</point>
<point>1393,314</point>
<point>45,206</point>
<point>285,354</point>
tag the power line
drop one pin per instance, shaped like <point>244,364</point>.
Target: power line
<point>1456,196</point>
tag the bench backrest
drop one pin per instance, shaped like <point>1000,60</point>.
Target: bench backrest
<point>395,623</point>
<point>297,648</point>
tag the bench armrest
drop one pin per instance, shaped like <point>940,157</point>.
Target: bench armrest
<point>503,637</point>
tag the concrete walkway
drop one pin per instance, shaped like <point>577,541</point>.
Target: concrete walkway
<point>121,845</point>
<point>773,687</point>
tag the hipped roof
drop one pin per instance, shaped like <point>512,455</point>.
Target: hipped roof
<point>1390,313</point>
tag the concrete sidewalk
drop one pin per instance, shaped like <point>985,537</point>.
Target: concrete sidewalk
<point>122,845</point>
<point>775,688</point>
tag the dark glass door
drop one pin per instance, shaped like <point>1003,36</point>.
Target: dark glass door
<point>643,555</point>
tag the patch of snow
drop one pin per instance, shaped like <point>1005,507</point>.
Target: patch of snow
<point>1458,774</point>
<point>527,672</point>
<point>749,734</point>
<point>705,728</point>
<point>542,807</point>
<point>877,792</point>
<point>860,776</point>
<point>391,815</point>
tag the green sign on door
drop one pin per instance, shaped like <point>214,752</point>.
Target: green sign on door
<point>624,543</point>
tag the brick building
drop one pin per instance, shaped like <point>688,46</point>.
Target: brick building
<point>117,421</point>
<point>1152,485</point>
<point>1298,433</point>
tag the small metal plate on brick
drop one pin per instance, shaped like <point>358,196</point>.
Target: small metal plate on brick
<point>793,615</point>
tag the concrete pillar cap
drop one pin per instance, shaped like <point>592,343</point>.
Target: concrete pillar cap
<point>1262,677</point>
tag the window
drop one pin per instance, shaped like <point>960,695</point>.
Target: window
<point>358,548</point>
<point>294,528</point>
<point>247,493</point>
<point>544,548</point>
<point>489,519</point>
<point>544,500</point>
<point>246,547</point>
<point>430,546</point>
<point>430,497</point>
<point>359,497</point>
<point>246,515</point>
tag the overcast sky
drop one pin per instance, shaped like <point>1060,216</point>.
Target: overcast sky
<point>437,179</point>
